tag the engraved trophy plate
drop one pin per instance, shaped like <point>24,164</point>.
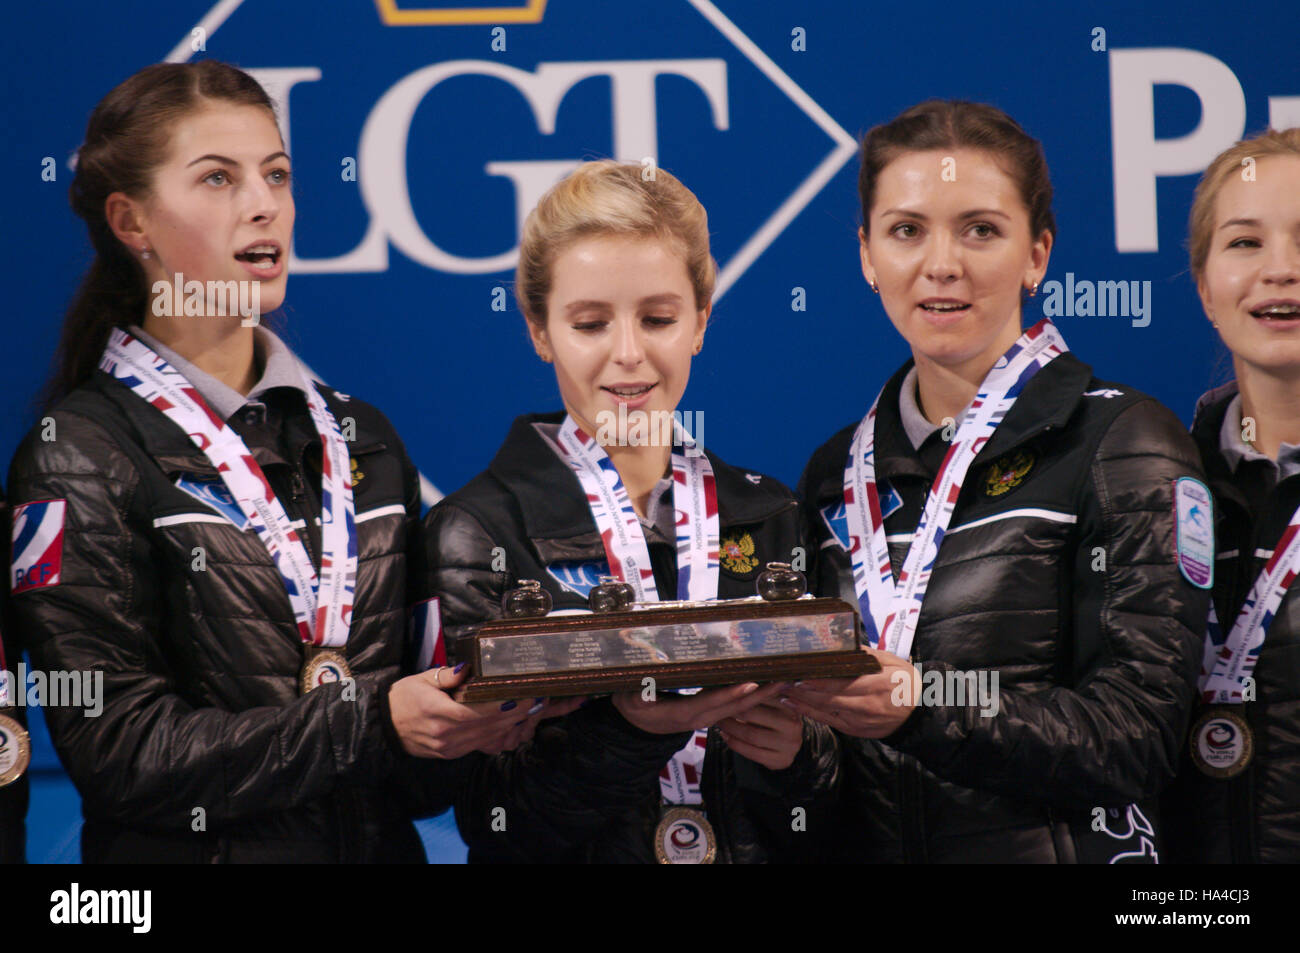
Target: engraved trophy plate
<point>781,636</point>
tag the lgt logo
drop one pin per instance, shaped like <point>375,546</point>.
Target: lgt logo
<point>634,117</point>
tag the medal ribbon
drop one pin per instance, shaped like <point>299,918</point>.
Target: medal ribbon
<point>322,605</point>
<point>4,679</point>
<point>695,502</point>
<point>890,612</point>
<point>1230,659</point>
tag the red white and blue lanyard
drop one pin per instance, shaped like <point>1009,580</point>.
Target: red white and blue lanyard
<point>322,605</point>
<point>890,612</point>
<point>695,502</point>
<point>1230,658</point>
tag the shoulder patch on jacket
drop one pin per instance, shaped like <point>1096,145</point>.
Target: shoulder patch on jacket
<point>37,555</point>
<point>1194,531</point>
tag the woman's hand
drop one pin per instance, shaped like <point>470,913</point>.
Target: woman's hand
<point>431,725</point>
<point>769,734</point>
<point>669,714</point>
<point>869,706</point>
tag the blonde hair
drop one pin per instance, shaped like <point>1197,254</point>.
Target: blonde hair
<point>612,198</point>
<point>1200,227</point>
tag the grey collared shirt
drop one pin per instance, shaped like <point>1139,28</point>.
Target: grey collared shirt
<point>660,512</point>
<point>660,518</point>
<point>916,425</point>
<point>1235,450</point>
<point>280,368</point>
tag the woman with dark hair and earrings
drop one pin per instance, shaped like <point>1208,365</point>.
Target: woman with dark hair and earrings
<point>223,540</point>
<point>1029,546</point>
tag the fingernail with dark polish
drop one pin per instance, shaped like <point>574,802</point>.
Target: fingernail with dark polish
<point>520,722</point>
<point>507,706</point>
<point>459,666</point>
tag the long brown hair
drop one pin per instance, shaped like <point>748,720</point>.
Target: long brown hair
<point>127,138</point>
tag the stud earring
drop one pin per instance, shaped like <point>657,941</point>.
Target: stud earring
<point>874,287</point>
<point>145,252</point>
<point>1034,290</point>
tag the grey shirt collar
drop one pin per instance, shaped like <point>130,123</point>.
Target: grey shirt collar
<point>280,368</point>
<point>914,422</point>
<point>1235,450</point>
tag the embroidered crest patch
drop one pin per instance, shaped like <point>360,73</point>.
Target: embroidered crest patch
<point>1009,472</point>
<point>738,554</point>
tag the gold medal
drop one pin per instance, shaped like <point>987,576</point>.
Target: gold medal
<point>684,837</point>
<point>322,667</point>
<point>15,750</point>
<point>1222,743</point>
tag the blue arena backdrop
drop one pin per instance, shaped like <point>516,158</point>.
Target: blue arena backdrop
<point>421,132</point>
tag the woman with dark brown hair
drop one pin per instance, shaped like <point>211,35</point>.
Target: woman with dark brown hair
<point>1028,545</point>
<point>223,540</point>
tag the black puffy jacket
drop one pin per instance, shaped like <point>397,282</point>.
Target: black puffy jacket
<point>1255,816</point>
<point>586,788</point>
<point>1058,573</point>
<point>204,750</point>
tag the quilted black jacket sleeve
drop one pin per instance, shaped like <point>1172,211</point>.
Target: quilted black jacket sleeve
<point>1115,736</point>
<point>156,752</point>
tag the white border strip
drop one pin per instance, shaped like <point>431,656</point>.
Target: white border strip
<point>1029,512</point>
<point>210,23</point>
<point>394,509</point>
<point>180,518</point>
<point>845,148</point>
